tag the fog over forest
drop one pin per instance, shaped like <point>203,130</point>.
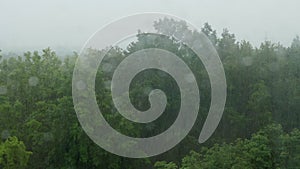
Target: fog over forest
<point>72,99</point>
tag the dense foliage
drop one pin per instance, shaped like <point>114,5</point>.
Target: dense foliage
<point>260,127</point>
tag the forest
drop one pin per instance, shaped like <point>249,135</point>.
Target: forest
<point>260,127</point>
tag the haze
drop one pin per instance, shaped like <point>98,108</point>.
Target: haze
<point>33,25</point>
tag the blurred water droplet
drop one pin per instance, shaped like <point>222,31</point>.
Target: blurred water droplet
<point>147,90</point>
<point>3,90</point>
<point>5,134</point>
<point>80,85</point>
<point>107,84</point>
<point>33,81</point>
<point>189,78</point>
<point>107,67</point>
<point>247,61</point>
<point>48,136</point>
<point>274,67</point>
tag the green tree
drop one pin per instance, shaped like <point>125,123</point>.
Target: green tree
<point>13,154</point>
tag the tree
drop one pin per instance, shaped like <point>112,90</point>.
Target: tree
<point>165,165</point>
<point>13,154</point>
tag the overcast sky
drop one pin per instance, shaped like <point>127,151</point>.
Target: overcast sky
<point>35,24</point>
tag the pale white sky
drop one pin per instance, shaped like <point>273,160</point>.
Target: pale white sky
<point>35,24</point>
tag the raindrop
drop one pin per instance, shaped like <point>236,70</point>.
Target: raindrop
<point>33,81</point>
<point>107,84</point>
<point>274,67</point>
<point>107,67</point>
<point>80,85</point>
<point>3,90</point>
<point>147,90</point>
<point>47,136</point>
<point>189,78</point>
<point>247,61</point>
<point>5,134</point>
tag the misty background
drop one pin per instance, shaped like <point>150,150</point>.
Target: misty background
<point>66,25</point>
